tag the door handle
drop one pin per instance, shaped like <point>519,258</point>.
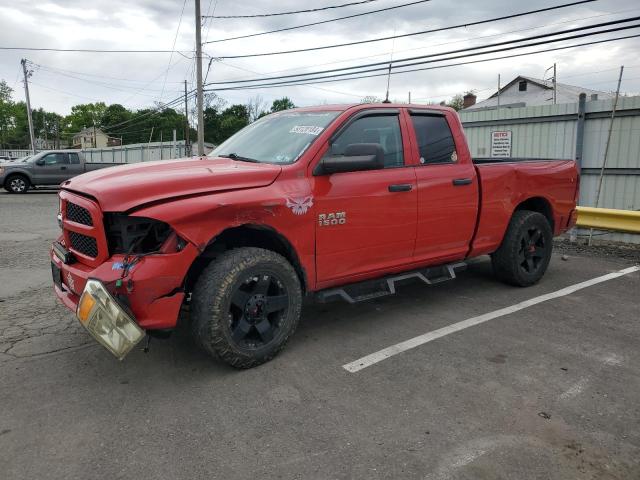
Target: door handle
<point>462,181</point>
<point>401,187</point>
<point>63,168</point>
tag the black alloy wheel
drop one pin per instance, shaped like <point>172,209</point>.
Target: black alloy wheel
<point>532,251</point>
<point>257,307</point>
<point>245,305</point>
<point>525,252</point>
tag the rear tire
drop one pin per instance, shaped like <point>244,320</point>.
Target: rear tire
<point>17,184</point>
<point>525,252</point>
<point>245,306</point>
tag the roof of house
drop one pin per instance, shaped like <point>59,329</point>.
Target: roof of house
<point>565,93</point>
<point>89,131</point>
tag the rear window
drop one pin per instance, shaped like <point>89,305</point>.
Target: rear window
<point>74,159</point>
<point>435,142</point>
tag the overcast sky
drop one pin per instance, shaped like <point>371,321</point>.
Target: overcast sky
<point>138,80</point>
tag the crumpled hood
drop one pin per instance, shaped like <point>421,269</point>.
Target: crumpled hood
<point>122,188</point>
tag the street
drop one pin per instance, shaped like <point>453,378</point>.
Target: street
<point>548,391</point>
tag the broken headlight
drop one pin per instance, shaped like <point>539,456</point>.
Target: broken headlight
<point>134,235</point>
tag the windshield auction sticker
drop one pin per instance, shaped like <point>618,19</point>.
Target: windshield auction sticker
<point>309,130</point>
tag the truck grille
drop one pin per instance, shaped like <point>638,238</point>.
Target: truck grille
<point>84,244</point>
<point>79,214</point>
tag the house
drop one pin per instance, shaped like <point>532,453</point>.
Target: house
<point>93,137</point>
<point>527,91</point>
<point>46,144</point>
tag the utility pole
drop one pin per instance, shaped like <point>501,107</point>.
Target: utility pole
<point>409,97</point>
<point>26,95</point>
<point>555,85</point>
<point>498,91</point>
<point>187,145</point>
<point>199,80</point>
<point>606,147</point>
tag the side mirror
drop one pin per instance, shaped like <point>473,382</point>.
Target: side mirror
<point>357,157</point>
<point>40,162</point>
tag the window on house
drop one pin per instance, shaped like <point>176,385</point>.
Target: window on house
<point>522,86</point>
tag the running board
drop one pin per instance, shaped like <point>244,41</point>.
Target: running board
<point>381,287</point>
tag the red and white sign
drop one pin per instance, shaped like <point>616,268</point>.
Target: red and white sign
<point>501,144</point>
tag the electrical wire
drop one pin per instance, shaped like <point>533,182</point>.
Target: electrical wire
<point>90,50</point>
<point>173,47</point>
<point>155,110</point>
<point>318,23</point>
<point>422,32</point>
<point>430,46</point>
<point>360,77</point>
<point>311,10</point>
<point>508,42</point>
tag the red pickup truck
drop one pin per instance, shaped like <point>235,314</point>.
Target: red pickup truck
<point>329,201</point>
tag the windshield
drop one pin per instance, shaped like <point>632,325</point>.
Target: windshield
<point>277,138</point>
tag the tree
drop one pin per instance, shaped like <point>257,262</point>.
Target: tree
<point>6,112</point>
<point>456,102</point>
<point>84,115</point>
<point>256,106</point>
<point>284,103</point>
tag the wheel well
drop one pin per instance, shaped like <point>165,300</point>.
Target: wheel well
<point>17,174</point>
<point>540,205</point>
<point>259,236</point>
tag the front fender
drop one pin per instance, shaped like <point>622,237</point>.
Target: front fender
<point>201,219</point>
<point>13,171</point>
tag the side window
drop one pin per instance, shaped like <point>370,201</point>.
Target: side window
<point>56,159</point>
<point>74,159</point>
<point>381,129</point>
<point>435,142</point>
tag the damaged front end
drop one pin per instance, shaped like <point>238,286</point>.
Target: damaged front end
<point>122,274</point>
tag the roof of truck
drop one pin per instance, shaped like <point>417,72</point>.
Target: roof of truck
<point>341,107</point>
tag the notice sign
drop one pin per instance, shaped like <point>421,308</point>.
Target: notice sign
<point>501,144</point>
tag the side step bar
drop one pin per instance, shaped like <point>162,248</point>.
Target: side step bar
<point>381,287</point>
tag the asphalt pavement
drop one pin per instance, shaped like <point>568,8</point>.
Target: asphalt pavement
<point>547,391</point>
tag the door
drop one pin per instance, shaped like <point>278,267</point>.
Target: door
<point>74,168</point>
<point>366,220</point>
<point>52,168</point>
<point>447,190</point>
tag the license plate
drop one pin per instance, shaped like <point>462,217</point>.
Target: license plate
<point>57,275</point>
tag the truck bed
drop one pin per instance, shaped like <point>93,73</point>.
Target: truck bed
<point>507,182</point>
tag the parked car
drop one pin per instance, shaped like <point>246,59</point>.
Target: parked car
<point>330,201</point>
<point>51,167</point>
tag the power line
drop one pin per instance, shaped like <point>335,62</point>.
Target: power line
<point>119,88</point>
<point>292,12</point>
<point>331,79</point>
<point>423,32</point>
<point>155,110</point>
<point>89,50</point>
<point>525,39</point>
<point>385,54</point>
<point>55,69</point>
<point>173,47</point>
<point>318,23</point>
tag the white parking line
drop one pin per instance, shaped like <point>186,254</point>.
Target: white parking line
<point>388,352</point>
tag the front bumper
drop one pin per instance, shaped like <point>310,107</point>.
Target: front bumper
<point>152,290</point>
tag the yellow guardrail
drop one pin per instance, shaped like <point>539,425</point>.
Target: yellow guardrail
<point>609,219</point>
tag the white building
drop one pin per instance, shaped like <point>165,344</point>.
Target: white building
<point>527,91</point>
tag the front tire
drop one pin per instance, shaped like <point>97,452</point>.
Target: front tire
<point>525,252</point>
<point>17,184</point>
<point>245,306</point>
